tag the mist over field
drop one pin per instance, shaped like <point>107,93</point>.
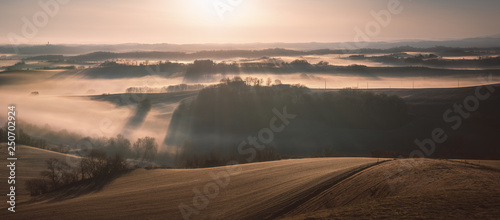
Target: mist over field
<point>93,96</point>
<point>62,103</point>
<point>238,109</point>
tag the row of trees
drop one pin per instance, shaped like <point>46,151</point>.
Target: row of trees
<point>143,149</point>
<point>94,167</point>
<point>172,88</point>
<point>250,81</point>
<point>104,158</point>
<point>202,69</point>
<point>101,157</point>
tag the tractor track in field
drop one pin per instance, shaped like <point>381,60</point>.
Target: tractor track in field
<point>278,210</point>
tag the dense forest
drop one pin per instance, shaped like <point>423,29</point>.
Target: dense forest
<point>237,108</point>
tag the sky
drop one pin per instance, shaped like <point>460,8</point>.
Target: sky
<point>243,21</point>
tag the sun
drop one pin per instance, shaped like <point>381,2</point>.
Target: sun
<point>225,11</point>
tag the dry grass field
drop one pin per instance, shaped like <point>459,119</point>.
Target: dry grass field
<point>408,189</point>
<point>316,188</point>
<point>487,163</point>
<point>158,193</point>
<point>31,161</point>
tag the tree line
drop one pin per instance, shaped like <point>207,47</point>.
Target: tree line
<point>142,150</point>
<point>172,88</point>
<point>96,166</point>
<point>238,107</point>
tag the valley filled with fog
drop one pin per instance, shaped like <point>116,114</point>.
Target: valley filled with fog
<point>135,95</point>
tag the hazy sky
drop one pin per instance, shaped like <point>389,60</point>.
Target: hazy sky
<point>197,21</point>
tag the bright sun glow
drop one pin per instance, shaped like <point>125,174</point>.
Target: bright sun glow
<point>218,12</point>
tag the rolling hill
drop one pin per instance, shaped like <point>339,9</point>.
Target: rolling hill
<point>157,194</point>
<point>410,189</point>
<point>314,188</point>
<point>31,161</point>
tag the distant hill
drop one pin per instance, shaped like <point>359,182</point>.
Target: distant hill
<point>67,49</point>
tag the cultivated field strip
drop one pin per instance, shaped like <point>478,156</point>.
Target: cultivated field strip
<point>158,193</point>
<point>409,189</point>
<point>291,204</point>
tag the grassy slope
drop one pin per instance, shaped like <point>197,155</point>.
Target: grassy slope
<point>487,163</point>
<point>158,193</point>
<point>427,190</point>
<point>31,161</point>
<point>391,189</point>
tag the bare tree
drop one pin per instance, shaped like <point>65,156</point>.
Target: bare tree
<point>146,148</point>
<point>55,171</point>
